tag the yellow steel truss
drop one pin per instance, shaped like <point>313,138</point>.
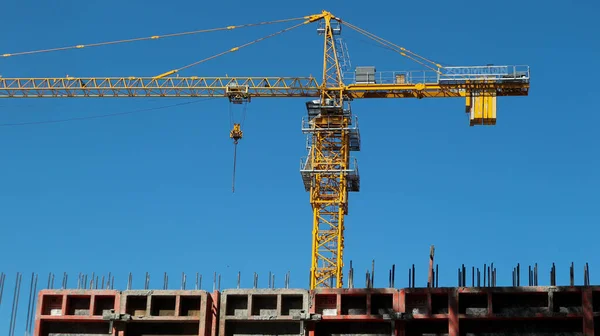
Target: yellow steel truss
<point>217,87</point>
<point>329,159</point>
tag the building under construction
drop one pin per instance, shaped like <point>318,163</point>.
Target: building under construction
<point>330,306</point>
<point>477,306</point>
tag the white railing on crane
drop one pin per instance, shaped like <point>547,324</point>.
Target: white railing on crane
<point>498,73</point>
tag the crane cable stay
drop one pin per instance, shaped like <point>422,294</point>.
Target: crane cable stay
<point>307,19</point>
<point>394,47</point>
<point>234,49</point>
<point>154,37</point>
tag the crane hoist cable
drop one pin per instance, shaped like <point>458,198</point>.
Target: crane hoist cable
<point>154,37</point>
<point>401,50</point>
<point>236,134</point>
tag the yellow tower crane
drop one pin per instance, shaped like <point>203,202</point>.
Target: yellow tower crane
<point>328,171</point>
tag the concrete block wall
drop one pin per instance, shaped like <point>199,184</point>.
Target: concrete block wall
<point>356,311</point>
<point>133,313</point>
<point>263,312</point>
<point>490,311</point>
<point>189,312</point>
<point>74,312</point>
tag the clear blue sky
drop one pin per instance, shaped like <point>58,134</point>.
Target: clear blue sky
<point>151,191</point>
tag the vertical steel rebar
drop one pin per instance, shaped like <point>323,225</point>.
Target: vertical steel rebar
<point>32,316</point>
<point>484,274</point>
<point>2,279</point>
<point>351,276</point>
<point>29,304</point>
<point>495,274</point>
<point>373,273</point>
<point>586,274</point>
<point>15,307</point>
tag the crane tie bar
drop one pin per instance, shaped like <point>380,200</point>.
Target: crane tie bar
<point>168,73</point>
<point>154,37</point>
<point>401,50</point>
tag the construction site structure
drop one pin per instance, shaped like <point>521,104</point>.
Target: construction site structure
<point>329,172</point>
<point>553,310</point>
<point>479,305</point>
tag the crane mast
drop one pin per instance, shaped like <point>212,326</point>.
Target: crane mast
<point>328,171</point>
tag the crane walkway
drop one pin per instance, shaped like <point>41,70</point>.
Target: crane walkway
<point>446,75</point>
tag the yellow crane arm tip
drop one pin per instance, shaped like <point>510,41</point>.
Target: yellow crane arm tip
<point>313,18</point>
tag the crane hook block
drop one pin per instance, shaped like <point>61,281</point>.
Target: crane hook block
<point>236,133</point>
